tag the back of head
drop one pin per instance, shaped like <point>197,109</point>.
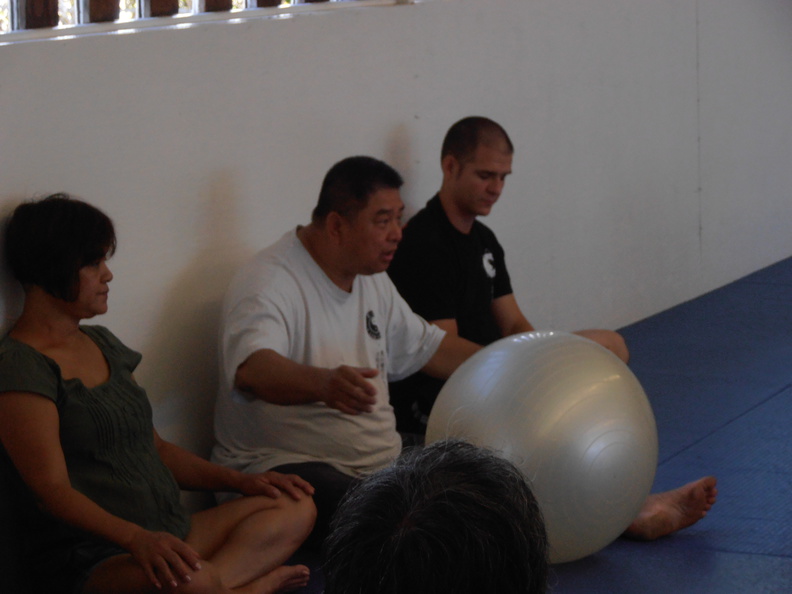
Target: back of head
<point>466,135</point>
<point>349,183</point>
<point>450,517</point>
<point>47,241</point>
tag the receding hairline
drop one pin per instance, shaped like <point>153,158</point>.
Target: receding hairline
<point>468,134</point>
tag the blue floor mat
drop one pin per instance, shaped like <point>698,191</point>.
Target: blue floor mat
<point>718,371</point>
<point>657,569</point>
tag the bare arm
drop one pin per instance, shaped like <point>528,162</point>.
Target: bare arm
<point>509,317</point>
<point>512,321</point>
<point>507,314</point>
<point>452,352</point>
<point>193,472</point>
<point>279,380</point>
<point>29,432</point>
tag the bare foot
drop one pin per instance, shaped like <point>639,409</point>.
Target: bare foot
<point>669,511</point>
<point>283,579</point>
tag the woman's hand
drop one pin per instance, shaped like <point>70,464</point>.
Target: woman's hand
<point>163,557</point>
<point>272,484</point>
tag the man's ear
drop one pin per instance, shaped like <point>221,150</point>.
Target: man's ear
<point>450,166</point>
<point>334,223</point>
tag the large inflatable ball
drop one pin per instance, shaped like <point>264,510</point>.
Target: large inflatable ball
<point>572,417</point>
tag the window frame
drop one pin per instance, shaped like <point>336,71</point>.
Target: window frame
<point>176,21</point>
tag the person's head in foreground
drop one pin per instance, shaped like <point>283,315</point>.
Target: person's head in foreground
<point>450,517</point>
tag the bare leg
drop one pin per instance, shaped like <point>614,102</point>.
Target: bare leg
<point>247,538</point>
<point>613,341</point>
<point>243,545</point>
<point>669,511</point>
<point>123,575</point>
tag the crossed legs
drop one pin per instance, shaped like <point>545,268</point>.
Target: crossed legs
<point>242,543</point>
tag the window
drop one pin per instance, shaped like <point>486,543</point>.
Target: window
<point>28,15</point>
<point>5,16</point>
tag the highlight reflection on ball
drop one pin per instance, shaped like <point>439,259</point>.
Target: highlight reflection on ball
<point>573,417</point>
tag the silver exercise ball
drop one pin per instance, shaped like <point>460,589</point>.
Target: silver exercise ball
<point>575,420</point>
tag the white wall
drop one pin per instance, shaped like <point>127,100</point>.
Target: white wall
<point>654,142</point>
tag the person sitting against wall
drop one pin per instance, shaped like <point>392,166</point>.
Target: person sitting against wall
<point>450,517</point>
<point>451,270</point>
<point>100,487</point>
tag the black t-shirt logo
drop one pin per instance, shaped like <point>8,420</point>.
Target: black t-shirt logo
<point>371,327</point>
<point>489,264</point>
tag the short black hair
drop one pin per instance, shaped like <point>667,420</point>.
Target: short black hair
<point>349,183</point>
<point>47,241</point>
<point>451,517</point>
<point>466,135</point>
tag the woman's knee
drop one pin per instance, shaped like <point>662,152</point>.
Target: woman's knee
<point>299,511</point>
<point>297,517</point>
<point>282,520</point>
<point>304,514</point>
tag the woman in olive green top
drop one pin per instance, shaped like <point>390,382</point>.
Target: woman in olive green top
<point>100,487</point>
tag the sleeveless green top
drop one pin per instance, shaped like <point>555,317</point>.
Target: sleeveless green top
<point>107,437</point>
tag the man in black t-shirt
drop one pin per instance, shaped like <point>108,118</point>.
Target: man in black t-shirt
<point>450,267</point>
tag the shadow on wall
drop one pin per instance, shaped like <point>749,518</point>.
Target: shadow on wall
<point>397,150</point>
<point>398,154</point>
<point>181,357</point>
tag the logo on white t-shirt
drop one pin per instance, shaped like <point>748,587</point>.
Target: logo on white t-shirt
<point>489,264</point>
<point>371,327</point>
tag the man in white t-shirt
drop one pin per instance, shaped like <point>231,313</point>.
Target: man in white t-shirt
<point>312,330</point>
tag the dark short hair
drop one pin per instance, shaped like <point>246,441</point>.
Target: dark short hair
<point>450,517</point>
<point>47,241</point>
<point>349,184</point>
<point>465,136</point>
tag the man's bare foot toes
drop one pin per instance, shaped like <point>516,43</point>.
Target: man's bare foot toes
<point>670,511</point>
